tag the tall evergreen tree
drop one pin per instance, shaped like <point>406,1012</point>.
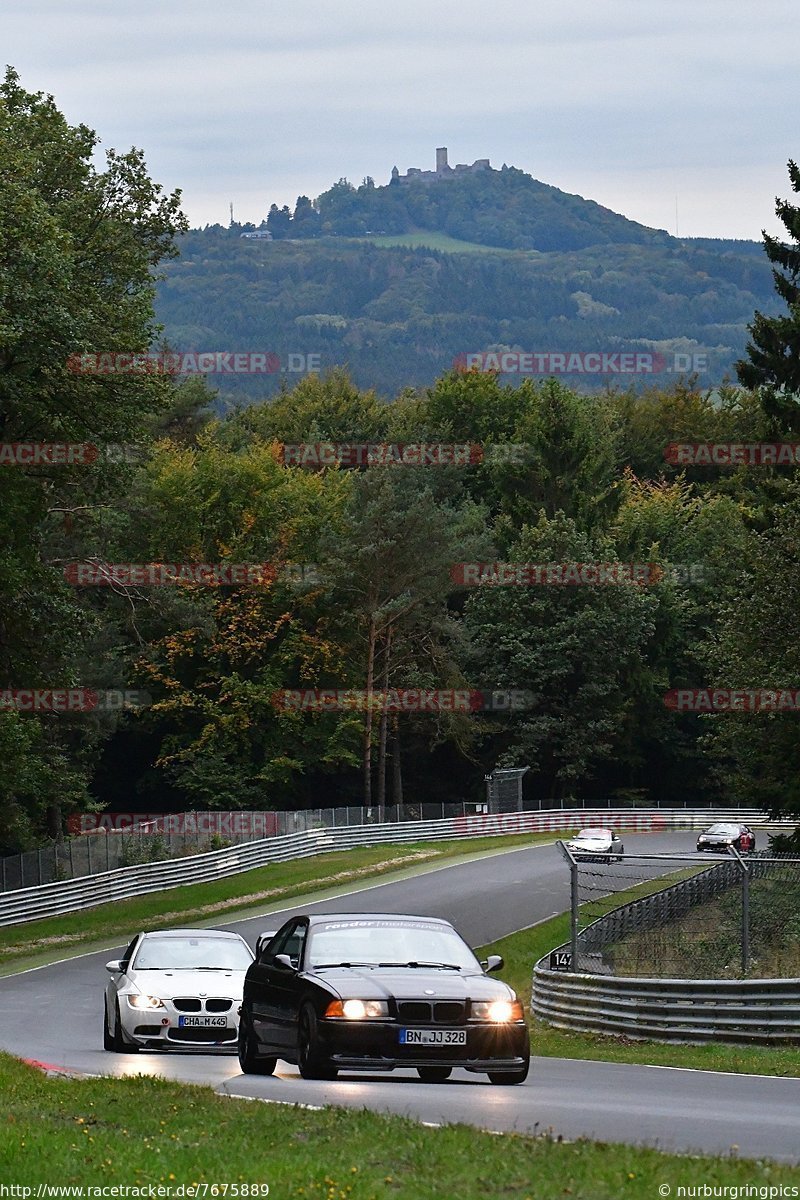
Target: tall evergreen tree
<point>773,360</point>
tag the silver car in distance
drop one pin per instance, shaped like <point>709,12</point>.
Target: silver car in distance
<point>602,844</point>
<point>176,988</point>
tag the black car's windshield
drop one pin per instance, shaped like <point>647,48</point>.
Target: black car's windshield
<point>384,943</point>
<point>181,954</point>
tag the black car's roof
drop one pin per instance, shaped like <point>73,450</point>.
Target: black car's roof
<point>324,918</point>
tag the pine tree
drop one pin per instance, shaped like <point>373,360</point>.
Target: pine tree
<point>773,361</point>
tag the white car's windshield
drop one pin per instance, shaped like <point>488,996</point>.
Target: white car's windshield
<point>170,954</point>
<point>595,833</point>
<point>374,943</point>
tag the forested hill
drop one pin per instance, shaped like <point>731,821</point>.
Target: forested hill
<point>399,317</point>
<point>398,282</point>
<point>506,208</point>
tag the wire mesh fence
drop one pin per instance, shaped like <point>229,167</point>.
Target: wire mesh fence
<point>676,917</point>
<point>121,840</point>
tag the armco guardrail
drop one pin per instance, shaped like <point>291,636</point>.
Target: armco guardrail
<point>670,1010</point>
<point>105,841</point>
<point>51,899</point>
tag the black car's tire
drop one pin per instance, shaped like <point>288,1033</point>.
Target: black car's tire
<point>434,1074</point>
<point>510,1077</point>
<point>118,1042</point>
<point>249,1061</point>
<point>312,1064</point>
<point>108,1037</point>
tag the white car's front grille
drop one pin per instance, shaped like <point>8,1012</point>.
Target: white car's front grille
<point>192,1004</point>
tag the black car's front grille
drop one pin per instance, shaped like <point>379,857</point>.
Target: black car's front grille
<point>423,1012</point>
<point>188,1004</point>
<point>450,1011</point>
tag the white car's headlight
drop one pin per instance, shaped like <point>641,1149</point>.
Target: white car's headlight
<point>145,1002</point>
<point>499,1011</point>
<point>357,1010</point>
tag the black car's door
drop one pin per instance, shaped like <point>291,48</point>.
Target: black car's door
<point>275,988</point>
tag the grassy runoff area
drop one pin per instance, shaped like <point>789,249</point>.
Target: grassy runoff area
<point>143,1131</point>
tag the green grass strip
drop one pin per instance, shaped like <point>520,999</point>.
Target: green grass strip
<point>141,1131</point>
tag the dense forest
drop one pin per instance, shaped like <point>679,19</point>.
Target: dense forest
<point>363,586</point>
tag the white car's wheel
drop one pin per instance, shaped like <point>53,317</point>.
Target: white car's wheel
<point>108,1037</point>
<point>119,1043</point>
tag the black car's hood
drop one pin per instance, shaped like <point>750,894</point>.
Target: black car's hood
<point>411,983</point>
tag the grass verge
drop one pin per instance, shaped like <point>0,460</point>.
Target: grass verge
<point>144,1132</point>
<point>522,950</point>
<point>36,943</point>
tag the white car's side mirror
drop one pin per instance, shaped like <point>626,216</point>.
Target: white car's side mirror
<point>115,967</point>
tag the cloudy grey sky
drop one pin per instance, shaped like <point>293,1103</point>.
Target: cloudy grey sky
<point>628,102</point>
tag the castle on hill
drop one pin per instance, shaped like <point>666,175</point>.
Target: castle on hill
<point>443,170</point>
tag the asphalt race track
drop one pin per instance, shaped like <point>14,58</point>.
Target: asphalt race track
<point>53,1014</point>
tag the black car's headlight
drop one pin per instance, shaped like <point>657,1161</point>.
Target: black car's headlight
<point>358,1010</point>
<point>145,1002</point>
<point>498,1011</point>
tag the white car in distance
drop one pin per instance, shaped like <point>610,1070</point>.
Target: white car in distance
<point>176,989</point>
<point>602,844</point>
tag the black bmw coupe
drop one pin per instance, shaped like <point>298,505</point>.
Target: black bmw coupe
<point>372,992</point>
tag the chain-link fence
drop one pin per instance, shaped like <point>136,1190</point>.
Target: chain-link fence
<point>144,838</point>
<point>676,917</point>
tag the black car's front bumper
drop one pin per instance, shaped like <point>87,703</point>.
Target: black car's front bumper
<point>375,1046</point>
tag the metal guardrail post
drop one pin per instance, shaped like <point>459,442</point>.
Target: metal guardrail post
<point>573,905</point>
<point>745,869</point>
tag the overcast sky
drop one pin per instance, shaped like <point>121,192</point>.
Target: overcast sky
<point>633,103</point>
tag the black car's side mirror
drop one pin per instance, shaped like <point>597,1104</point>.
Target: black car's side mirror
<point>284,960</point>
<point>495,962</point>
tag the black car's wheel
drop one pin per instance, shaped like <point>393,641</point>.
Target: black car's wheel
<point>108,1037</point>
<point>118,1042</point>
<point>250,1062</point>
<point>312,1064</point>
<point>510,1077</point>
<point>434,1074</point>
